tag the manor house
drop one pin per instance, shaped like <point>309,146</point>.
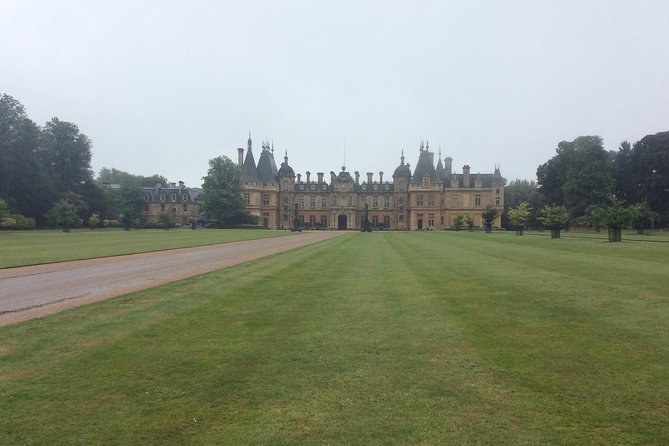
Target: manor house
<point>428,198</point>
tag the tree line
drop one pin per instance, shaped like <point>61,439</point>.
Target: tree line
<point>585,185</point>
<point>46,176</point>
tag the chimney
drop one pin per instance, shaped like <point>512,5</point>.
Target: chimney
<point>357,177</point>
<point>240,157</point>
<point>369,177</point>
<point>320,177</point>
<point>448,166</point>
<point>465,175</point>
<point>380,177</point>
<point>308,177</point>
<point>299,177</point>
<point>333,177</point>
<point>181,186</point>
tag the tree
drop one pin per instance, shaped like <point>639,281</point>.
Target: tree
<point>642,217</point>
<point>65,215</point>
<point>469,222</point>
<point>617,217</point>
<point>115,176</point>
<point>68,155</point>
<point>165,221</point>
<point>649,170</point>
<point>579,175</point>
<point>595,216</point>
<point>458,221</point>
<point>555,218</point>
<point>24,179</point>
<point>94,221</point>
<point>519,191</point>
<point>489,216</point>
<point>222,191</point>
<point>518,216</point>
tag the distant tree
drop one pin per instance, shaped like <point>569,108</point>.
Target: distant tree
<point>469,222</point>
<point>625,188</point>
<point>489,216</point>
<point>555,218</point>
<point>458,221</point>
<point>649,170</point>
<point>222,191</point>
<point>617,217</point>
<point>24,179</point>
<point>165,221</point>
<point>65,215</point>
<point>579,175</point>
<point>518,191</point>
<point>642,217</point>
<point>115,176</point>
<point>518,216</point>
<point>94,221</point>
<point>595,216</point>
<point>68,154</point>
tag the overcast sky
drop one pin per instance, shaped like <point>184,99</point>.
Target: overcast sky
<point>163,87</point>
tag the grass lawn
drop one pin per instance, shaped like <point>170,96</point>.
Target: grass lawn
<point>382,338</point>
<point>19,248</point>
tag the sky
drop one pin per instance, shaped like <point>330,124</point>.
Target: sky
<point>165,86</point>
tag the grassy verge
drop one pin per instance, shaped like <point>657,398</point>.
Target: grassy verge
<point>18,248</point>
<point>384,338</point>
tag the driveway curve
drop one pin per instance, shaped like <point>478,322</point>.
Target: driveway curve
<point>35,291</point>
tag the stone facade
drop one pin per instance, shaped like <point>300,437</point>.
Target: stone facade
<point>182,203</point>
<point>430,198</point>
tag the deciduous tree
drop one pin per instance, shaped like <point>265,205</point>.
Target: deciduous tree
<point>222,191</point>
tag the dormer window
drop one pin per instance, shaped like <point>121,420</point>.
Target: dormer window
<point>162,197</point>
<point>184,197</point>
<point>426,181</point>
<point>174,197</point>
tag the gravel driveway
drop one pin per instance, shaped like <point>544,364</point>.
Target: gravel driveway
<point>35,291</point>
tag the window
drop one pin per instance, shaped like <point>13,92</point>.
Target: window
<point>401,218</point>
<point>147,197</point>
<point>375,202</point>
<point>375,221</point>
<point>185,207</point>
<point>430,200</point>
<point>324,203</point>
<point>184,197</point>
<point>300,220</point>
<point>430,219</point>
<point>247,198</point>
<point>300,201</point>
<point>477,199</point>
<point>312,202</point>
<point>162,208</point>
<point>454,201</point>
<point>265,199</point>
<point>386,202</point>
<point>162,197</point>
<point>312,221</point>
<point>324,221</point>
<point>386,222</point>
<point>146,207</point>
<point>426,181</point>
<point>174,197</point>
<point>419,200</point>
<point>401,186</point>
<point>401,200</point>
<point>497,201</point>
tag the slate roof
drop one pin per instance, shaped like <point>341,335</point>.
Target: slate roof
<point>425,167</point>
<point>249,170</point>
<point>267,170</point>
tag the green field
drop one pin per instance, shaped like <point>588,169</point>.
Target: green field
<point>34,247</point>
<point>382,338</point>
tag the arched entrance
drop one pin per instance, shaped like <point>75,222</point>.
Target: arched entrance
<point>342,222</point>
